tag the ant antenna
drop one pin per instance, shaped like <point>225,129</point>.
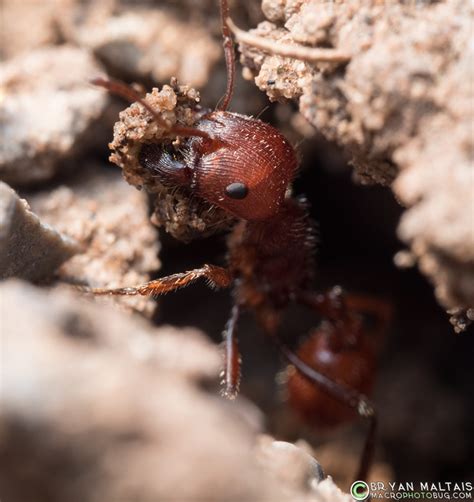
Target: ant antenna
<point>229,56</point>
<point>130,94</point>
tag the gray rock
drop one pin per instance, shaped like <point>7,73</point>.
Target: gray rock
<point>98,405</point>
<point>294,464</point>
<point>141,42</point>
<point>28,248</point>
<point>47,109</point>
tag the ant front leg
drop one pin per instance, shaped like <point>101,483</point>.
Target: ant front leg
<point>216,277</point>
<point>232,360</point>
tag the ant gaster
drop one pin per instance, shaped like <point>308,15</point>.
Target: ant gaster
<point>245,166</point>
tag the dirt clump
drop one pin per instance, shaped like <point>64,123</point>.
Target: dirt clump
<point>401,107</point>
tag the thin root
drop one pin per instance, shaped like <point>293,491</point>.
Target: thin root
<point>309,54</point>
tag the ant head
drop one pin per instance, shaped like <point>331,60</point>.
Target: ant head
<point>243,166</point>
<point>246,169</point>
<point>233,162</point>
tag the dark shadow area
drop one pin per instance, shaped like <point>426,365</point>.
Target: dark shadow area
<point>425,382</point>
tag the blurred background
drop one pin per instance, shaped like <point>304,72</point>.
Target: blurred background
<point>425,380</point>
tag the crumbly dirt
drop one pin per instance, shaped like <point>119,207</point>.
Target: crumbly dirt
<point>110,221</point>
<point>402,108</point>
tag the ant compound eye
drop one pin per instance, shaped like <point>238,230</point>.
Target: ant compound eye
<point>237,190</point>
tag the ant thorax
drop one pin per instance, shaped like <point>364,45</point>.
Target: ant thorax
<point>177,210</point>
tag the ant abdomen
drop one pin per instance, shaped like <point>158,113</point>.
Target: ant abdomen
<point>243,166</point>
<point>350,364</point>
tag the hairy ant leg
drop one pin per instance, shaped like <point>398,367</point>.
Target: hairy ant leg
<point>231,371</point>
<point>216,277</point>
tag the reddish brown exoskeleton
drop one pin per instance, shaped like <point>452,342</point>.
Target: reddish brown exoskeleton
<point>245,167</point>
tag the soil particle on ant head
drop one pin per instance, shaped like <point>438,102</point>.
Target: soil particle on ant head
<point>182,215</point>
<point>46,112</point>
<point>401,106</point>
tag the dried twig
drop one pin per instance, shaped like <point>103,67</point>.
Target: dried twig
<point>310,54</point>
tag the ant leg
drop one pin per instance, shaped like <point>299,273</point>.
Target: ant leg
<point>380,310</point>
<point>345,395</point>
<point>331,304</point>
<point>342,309</point>
<point>231,372</point>
<point>216,276</point>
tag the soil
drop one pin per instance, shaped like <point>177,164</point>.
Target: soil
<point>119,398</point>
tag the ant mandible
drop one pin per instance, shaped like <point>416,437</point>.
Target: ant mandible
<point>245,167</point>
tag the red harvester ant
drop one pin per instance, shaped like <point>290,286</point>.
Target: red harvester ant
<point>244,167</point>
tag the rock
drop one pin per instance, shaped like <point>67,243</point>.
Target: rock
<point>143,43</point>
<point>293,464</point>
<point>437,184</point>
<point>27,26</point>
<point>111,222</point>
<point>29,248</point>
<point>47,110</point>
<point>340,457</point>
<point>151,42</point>
<point>99,406</point>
